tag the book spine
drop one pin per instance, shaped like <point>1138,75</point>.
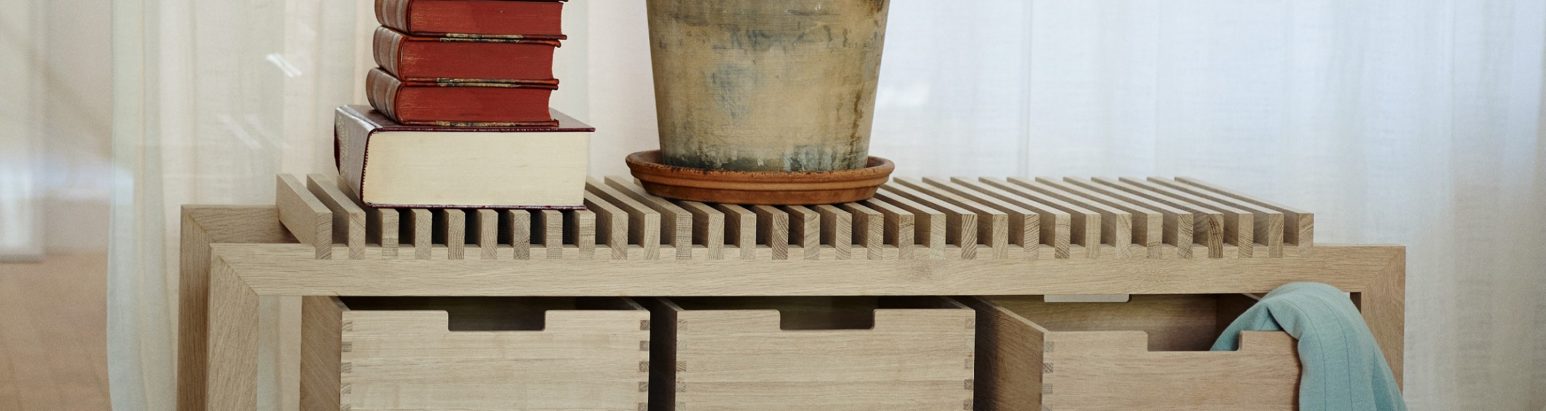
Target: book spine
<point>393,13</point>
<point>387,48</point>
<point>381,90</point>
<point>351,133</point>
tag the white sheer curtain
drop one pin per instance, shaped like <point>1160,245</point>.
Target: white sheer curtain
<point>1412,122</point>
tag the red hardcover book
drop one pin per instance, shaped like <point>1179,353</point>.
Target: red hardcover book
<point>455,59</point>
<point>476,18</point>
<point>460,104</point>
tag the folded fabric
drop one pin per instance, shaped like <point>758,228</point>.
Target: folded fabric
<point>1342,366</point>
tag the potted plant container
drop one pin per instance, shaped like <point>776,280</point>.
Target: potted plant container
<point>771,98</point>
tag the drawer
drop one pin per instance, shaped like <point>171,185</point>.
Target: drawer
<point>1148,353</point>
<point>841,353</point>
<point>474,354</point>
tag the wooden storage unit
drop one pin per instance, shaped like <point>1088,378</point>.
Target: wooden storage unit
<point>1148,353</point>
<point>389,353</point>
<point>246,269</point>
<point>815,353</point>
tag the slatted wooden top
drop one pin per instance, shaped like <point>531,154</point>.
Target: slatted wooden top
<point>910,218</point>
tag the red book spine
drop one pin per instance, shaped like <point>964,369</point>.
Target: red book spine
<point>474,18</point>
<point>459,104</point>
<point>452,59</point>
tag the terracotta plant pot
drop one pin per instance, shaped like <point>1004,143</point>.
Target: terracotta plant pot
<point>759,187</point>
<point>766,85</point>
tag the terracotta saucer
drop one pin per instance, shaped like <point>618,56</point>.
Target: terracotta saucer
<point>758,187</point>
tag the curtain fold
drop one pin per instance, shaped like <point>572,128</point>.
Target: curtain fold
<point>1410,122</point>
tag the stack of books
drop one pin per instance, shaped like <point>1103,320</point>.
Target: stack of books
<point>459,114</point>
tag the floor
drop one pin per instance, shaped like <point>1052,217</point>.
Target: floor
<point>53,334</point>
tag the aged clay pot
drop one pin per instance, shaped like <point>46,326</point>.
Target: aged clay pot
<point>766,85</point>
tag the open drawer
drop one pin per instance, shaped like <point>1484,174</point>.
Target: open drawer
<point>474,353</point>
<point>1149,353</point>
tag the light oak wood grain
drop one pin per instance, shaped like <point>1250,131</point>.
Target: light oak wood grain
<point>1116,226</point>
<point>304,215</point>
<point>643,221</point>
<point>1024,225</point>
<point>348,217</point>
<point>992,224</point>
<point>734,357</point>
<point>402,354</point>
<point>451,230</point>
<point>421,224</point>
<point>899,227</point>
<point>1207,225</point>
<point>1085,225</point>
<point>837,229</point>
<point>1267,224</point>
<point>868,229</point>
<point>708,228</point>
<point>1147,225</point>
<point>1105,356</point>
<point>676,222</point>
<point>960,224</point>
<point>929,225</point>
<point>1299,225</point>
<point>486,224</point>
<point>805,230</point>
<point>1239,225</point>
<point>1176,225</point>
<point>1056,225</point>
<point>202,226</point>
<point>547,228</point>
<point>516,225</point>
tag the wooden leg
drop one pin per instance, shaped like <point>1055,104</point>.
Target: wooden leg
<point>202,226</point>
<point>233,342</point>
<point>1384,308</point>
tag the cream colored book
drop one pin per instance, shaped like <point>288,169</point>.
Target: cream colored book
<point>393,165</point>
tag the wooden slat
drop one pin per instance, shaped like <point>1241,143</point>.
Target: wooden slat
<point>773,230</point>
<point>1207,224</point>
<point>580,230</point>
<point>1267,225</point>
<point>548,230</point>
<point>421,223</point>
<point>487,223</point>
<point>992,225</point>
<point>304,215</point>
<point>740,229</point>
<point>899,226</point>
<point>676,223</point>
<point>1024,224</point>
<point>517,227</point>
<point>1148,225</point>
<point>611,225</point>
<point>348,217</point>
<point>1299,225</point>
<point>1239,225</point>
<point>837,230</point>
<point>643,221</point>
<point>805,230</point>
<point>867,229</point>
<point>452,230</point>
<point>1116,225</point>
<point>928,224</point>
<point>1084,225</point>
<point>321,345</point>
<point>708,227</point>
<point>1177,225</point>
<point>1056,225</point>
<point>960,223</point>
<point>381,226</point>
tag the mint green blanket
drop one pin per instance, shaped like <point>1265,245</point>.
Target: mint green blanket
<point>1343,368</point>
